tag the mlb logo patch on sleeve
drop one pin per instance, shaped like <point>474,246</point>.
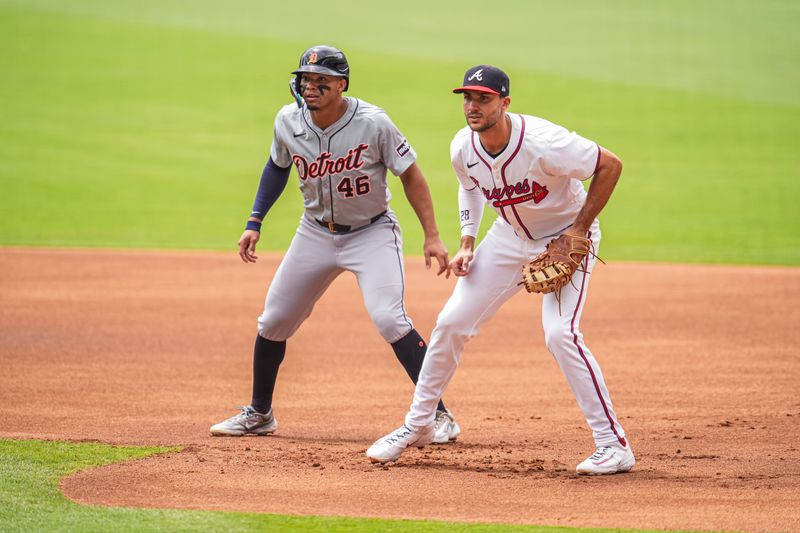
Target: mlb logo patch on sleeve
<point>403,148</point>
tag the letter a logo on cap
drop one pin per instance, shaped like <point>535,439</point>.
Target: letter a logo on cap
<point>312,58</point>
<point>486,79</point>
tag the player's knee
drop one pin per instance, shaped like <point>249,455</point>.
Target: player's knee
<point>391,326</point>
<point>448,325</point>
<point>276,326</point>
<point>556,335</point>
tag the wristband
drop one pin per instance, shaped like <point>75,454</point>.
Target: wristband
<point>253,225</point>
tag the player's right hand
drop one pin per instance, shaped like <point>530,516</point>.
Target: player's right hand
<point>460,263</point>
<point>247,245</point>
<point>434,248</point>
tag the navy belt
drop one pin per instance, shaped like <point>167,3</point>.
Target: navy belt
<point>333,227</point>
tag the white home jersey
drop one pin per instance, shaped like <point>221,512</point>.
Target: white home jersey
<point>534,184</point>
<point>342,169</point>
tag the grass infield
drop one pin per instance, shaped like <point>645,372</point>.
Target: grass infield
<point>30,500</point>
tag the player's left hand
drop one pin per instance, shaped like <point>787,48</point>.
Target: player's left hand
<point>434,247</point>
<point>247,245</point>
<point>573,232</point>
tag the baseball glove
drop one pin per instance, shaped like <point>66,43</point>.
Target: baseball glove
<point>553,269</point>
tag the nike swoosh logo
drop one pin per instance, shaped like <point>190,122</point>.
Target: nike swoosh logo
<point>252,425</point>
<point>296,135</point>
<point>472,165</point>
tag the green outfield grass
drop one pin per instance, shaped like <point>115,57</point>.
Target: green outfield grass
<point>146,124</point>
<point>30,501</point>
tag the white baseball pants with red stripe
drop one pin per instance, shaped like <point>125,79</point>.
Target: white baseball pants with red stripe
<point>493,277</point>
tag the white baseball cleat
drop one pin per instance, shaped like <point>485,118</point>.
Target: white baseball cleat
<point>446,428</point>
<point>248,422</point>
<point>608,460</point>
<point>390,447</point>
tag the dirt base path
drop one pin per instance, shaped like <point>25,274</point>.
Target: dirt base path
<point>152,348</point>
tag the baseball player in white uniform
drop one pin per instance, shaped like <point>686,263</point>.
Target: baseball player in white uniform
<point>342,148</point>
<point>530,171</point>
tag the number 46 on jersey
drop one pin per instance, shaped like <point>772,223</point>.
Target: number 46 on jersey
<point>353,187</point>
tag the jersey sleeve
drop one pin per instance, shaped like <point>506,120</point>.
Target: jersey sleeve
<point>457,161</point>
<point>570,155</point>
<point>278,151</point>
<point>396,153</point>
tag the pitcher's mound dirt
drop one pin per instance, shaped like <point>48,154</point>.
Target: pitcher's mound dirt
<point>153,348</point>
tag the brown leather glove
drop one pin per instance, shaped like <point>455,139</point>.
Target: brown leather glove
<point>552,269</point>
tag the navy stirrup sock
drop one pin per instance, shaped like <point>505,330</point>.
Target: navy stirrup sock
<point>267,357</point>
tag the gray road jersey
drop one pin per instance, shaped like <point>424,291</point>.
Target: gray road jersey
<point>342,169</point>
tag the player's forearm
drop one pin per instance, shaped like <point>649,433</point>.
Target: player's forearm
<point>603,183</point>
<point>419,196</point>
<point>470,208</point>
<point>273,181</point>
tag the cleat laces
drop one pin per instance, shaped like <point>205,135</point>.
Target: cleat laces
<point>401,433</point>
<point>442,421</point>
<point>249,416</point>
<point>600,453</point>
<point>246,411</point>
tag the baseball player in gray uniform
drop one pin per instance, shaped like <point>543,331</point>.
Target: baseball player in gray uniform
<point>342,148</point>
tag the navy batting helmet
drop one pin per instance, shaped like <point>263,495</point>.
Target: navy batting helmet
<point>324,59</point>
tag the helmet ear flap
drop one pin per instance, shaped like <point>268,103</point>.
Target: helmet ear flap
<point>294,88</point>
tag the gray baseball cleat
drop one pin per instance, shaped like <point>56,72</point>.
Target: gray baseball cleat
<point>446,429</point>
<point>248,422</point>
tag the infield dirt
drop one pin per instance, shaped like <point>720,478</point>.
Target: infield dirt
<point>154,347</point>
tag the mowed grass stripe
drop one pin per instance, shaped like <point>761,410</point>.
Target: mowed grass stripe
<point>147,134</point>
<point>727,48</point>
<point>30,500</point>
